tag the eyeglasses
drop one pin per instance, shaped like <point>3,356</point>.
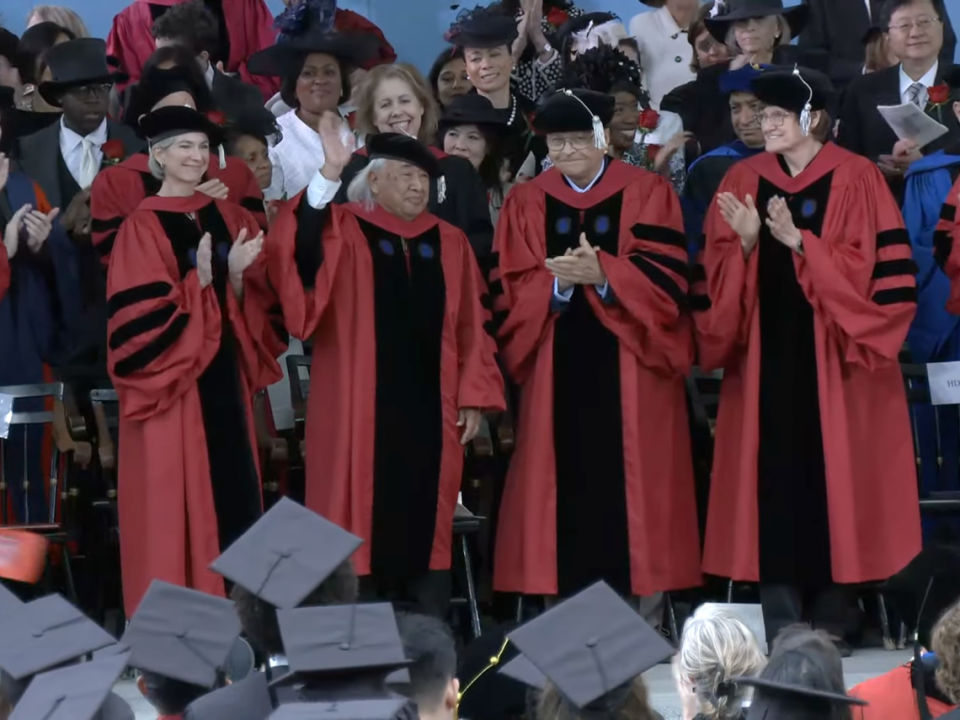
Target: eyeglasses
<point>97,91</point>
<point>556,143</point>
<point>922,23</point>
<point>775,118</point>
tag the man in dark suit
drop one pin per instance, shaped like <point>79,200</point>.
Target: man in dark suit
<point>193,26</point>
<point>837,27</point>
<point>914,31</point>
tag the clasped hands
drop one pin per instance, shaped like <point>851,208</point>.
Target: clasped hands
<point>744,219</point>
<point>578,266</point>
<point>242,255</point>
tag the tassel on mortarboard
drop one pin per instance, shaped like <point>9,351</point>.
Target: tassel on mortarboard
<point>441,189</point>
<point>223,157</point>
<point>599,136</point>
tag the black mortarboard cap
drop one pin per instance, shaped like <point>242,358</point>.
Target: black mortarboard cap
<point>574,111</point>
<point>286,58</point>
<point>925,588</point>
<point>176,120</point>
<point>792,88</point>
<point>524,671</point>
<point>773,699</point>
<point>591,645</point>
<point>384,709</point>
<point>248,699</point>
<point>46,633</point>
<point>182,634</point>
<point>116,708</point>
<point>397,146</point>
<point>286,554</point>
<point>485,693</point>
<point>75,692</point>
<point>256,122</point>
<point>472,109</point>
<point>337,638</point>
<point>482,27</point>
<point>952,715</point>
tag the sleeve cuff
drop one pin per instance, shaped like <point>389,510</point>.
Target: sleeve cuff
<point>561,297</point>
<point>320,191</point>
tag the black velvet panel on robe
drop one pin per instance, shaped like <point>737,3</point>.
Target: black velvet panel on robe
<point>592,536</point>
<point>409,306</point>
<point>791,478</point>
<point>233,470</point>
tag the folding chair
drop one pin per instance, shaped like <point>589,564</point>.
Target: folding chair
<point>299,392</point>
<point>465,524</point>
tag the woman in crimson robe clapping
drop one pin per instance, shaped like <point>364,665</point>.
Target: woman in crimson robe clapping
<point>189,344</point>
<point>805,296</point>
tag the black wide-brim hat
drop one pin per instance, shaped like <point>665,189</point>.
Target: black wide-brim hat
<point>790,89</point>
<point>472,109</point>
<point>396,146</point>
<point>573,111</point>
<point>286,58</point>
<point>728,11</point>
<point>76,63</point>
<point>174,120</point>
<point>483,28</point>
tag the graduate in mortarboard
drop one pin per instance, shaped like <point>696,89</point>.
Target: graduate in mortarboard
<point>403,367</point>
<point>190,341</point>
<point>121,186</point>
<point>808,294</point>
<point>591,295</point>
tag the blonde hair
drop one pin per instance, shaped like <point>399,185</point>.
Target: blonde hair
<point>62,16</point>
<point>783,28</point>
<point>945,642</point>
<point>553,706</point>
<point>156,169</point>
<point>412,77</point>
<point>714,647</point>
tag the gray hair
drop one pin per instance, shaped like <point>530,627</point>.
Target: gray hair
<point>714,647</point>
<point>359,189</point>
<point>783,27</point>
<point>155,168</point>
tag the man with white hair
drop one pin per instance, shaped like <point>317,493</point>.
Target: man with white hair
<point>402,365</point>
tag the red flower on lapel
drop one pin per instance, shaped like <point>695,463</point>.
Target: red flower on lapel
<point>217,118</point>
<point>557,17</point>
<point>652,152</point>
<point>113,152</point>
<point>939,94</point>
<point>649,119</point>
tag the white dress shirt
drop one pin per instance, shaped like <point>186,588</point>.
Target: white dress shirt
<point>298,157</point>
<point>928,81</point>
<point>209,74</point>
<point>71,147</point>
<point>560,298</point>
<point>665,53</point>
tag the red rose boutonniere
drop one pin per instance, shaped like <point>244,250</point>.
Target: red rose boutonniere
<point>937,97</point>
<point>652,152</point>
<point>113,152</point>
<point>557,17</point>
<point>648,120</point>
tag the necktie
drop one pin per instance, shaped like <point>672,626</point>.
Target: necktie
<point>88,164</point>
<point>915,94</point>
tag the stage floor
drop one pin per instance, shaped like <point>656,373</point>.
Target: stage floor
<point>862,665</point>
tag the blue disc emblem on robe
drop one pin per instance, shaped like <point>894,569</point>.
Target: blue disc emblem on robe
<point>192,256</point>
<point>223,251</point>
<point>602,224</point>
<point>426,251</point>
<point>386,247</point>
<point>564,225</point>
<point>808,208</point>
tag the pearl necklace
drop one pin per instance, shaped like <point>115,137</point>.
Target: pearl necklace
<point>513,110</point>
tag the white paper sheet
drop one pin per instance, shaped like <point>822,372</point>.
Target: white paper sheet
<point>909,122</point>
<point>944,378</point>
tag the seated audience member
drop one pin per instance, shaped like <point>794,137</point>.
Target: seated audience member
<point>120,188</point>
<point>250,135</point>
<point>914,30</point>
<point>430,648</point>
<point>31,50</point>
<point>835,26</point>
<point>305,17</point>
<point>715,647</point>
<point>470,128</point>
<point>707,50</point>
<point>139,97</point>
<point>315,78</point>
<point>926,594</point>
<point>580,680</point>
<point>707,171</point>
<point>246,26</point>
<point>193,26</point>
<point>877,51</point>
<point>396,99</point>
<point>448,77</point>
<point>665,53</point>
<point>62,16</point>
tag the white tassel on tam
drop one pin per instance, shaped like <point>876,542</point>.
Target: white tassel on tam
<point>441,189</point>
<point>223,157</point>
<point>599,136</point>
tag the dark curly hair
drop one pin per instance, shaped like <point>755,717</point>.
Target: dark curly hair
<point>257,123</point>
<point>606,70</point>
<point>192,25</point>
<point>259,618</point>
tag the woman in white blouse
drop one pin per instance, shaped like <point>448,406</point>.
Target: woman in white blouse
<point>316,79</point>
<point>665,53</point>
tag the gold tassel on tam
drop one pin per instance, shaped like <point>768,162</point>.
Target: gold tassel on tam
<point>441,189</point>
<point>223,157</point>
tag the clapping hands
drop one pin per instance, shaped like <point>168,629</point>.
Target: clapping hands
<point>580,266</point>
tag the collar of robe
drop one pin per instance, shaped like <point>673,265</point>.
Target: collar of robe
<point>616,177</point>
<point>190,204</point>
<point>767,165</point>
<point>139,162</point>
<point>392,224</point>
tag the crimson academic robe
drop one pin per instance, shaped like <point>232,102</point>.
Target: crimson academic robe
<point>601,482</point>
<point>249,27</point>
<point>892,697</point>
<point>118,190</point>
<point>185,362</point>
<point>813,475</point>
<point>947,246</point>
<point>394,309</point>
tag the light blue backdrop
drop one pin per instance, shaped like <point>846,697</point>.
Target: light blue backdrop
<point>414,27</point>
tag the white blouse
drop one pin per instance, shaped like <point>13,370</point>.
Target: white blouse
<point>665,53</point>
<point>298,156</point>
